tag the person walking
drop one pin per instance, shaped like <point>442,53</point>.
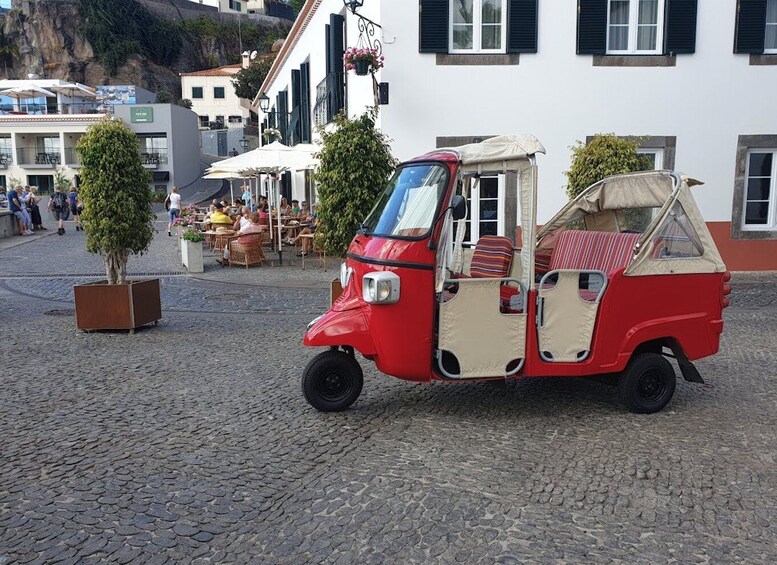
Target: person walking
<point>175,208</point>
<point>58,204</point>
<point>16,206</point>
<point>33,200</point>
<point>72,198</point>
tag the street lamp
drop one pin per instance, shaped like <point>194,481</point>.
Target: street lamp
<point>353,5</point>
<point>264,103</point>
<point>244,143</point>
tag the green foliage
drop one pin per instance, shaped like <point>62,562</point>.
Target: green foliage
<point>61,180</point>
<point>119,29</point>
<point>193,235</point>
<point>9,50</point>
<point>164,97</point>
<point>247,82</point>
<point>356,162</point>
<point>13,182</point>
<point>116,196</point>
<point>604,155</point>
<point>252,35</point>
<point>185,103</point>
<point>296,5</point>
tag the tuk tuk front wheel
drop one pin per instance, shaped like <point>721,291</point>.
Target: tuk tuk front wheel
<point>332,381</point>
<point>647,384</point>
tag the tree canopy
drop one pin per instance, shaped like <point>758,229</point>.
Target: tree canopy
<point>115,192</point>
<point>247,82</point>
<point>356,162</point>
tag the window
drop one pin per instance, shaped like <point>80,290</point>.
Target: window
<point>635,26</point>
<point>218,92</point>
<point>236,6</point>
<point>485,204</point>
<point>204,121</point>
<point>676,238</point>
<point>477,26</point>
<point>235,119</point>
<point>756,28</point>
<point>196,92</point>
<point>770,40</point>
<point>760,206</point>
<point>656,156</point>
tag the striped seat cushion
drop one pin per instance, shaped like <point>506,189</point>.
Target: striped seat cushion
<point>603,251</point>
<point>492,257</point>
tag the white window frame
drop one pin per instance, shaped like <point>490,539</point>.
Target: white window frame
<point>474,204</point>
<point>773,50</point>
<point>633,21</point>
<point>477,16</point>
<point>659,156</point>
<point>771,224</point>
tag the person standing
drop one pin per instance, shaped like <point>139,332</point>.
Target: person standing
<point>59,206</point>
<point>246,196</point>
<point>72,198</point>
<point>175,208</point>
<point>33,200</point>
<point>16,206</point>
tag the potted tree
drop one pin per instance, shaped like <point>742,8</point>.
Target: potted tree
<point>118,222</point>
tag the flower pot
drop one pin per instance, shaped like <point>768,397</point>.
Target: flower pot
<point>361,66</point>
<point>191,255</point>
<point>102,306</point>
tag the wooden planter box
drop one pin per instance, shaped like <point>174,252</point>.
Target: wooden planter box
<point>102,306</point>
<point>191,256</point>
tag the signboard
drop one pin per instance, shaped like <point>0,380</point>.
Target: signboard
<point>112,94</point>
<point>141,115</point>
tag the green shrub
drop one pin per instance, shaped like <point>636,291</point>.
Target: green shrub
<point>193,235</point>
<point>356,162</point>
<point>604,155</point>
<point>116,196</point>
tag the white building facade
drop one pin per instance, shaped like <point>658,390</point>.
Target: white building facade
<point>213,97</point>
<point>695,80</point>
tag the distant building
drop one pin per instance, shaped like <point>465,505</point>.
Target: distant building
<point>38,135</point>
<point>213,97</point>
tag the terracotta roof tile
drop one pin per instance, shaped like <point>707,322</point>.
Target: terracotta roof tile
<point>225,71</point>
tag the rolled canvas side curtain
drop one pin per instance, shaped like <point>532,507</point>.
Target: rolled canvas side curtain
<point>750,27</point>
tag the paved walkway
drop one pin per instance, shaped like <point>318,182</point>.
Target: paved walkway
<point>191,442</point>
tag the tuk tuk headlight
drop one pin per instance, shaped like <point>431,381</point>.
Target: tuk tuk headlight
<point>380,287</point>
<point>345,274</point>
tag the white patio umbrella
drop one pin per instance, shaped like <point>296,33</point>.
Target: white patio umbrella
<point>28,91</point>
<point>74,90</point>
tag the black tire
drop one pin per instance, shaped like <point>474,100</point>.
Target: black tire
<point>647,384</point>
<point>332,381</point>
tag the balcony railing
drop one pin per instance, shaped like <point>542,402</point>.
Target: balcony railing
<point>154,158</point>
<point>330,98</point>
<point>61,109</point>
<point>30,156</point>
<point>6,159</point>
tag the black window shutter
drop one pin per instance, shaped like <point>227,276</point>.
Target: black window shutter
<point>522,26</point>
<point>304,74</point>
<point>295,129</point>
<point>591,27</point>
<point>335,56</point>
<point>681,26</point>
<point>433,26</point>
<point>327,47</point>
<point>751,26</point>
<point>283,116</point>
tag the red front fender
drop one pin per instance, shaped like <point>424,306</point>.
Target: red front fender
<point>347,327</point>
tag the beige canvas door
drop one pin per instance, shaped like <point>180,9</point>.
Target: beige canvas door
<point>568,302</point>
<point>481,333</point>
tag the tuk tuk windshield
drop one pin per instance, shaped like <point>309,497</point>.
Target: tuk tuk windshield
<point>407,206</point>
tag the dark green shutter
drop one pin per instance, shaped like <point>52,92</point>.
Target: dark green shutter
<point>304,75</point>
<point>283,116</point>
<point>295,129</point>
<point>591,27</point>
<point>433,26</point>
<point>522,26</point>
<point>336,69</point>
<point>751,26</point>
<point>681,26</point>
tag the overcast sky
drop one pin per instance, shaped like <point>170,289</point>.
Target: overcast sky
<point>5,3</point>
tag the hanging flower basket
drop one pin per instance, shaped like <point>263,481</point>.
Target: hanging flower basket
<point>272,134</point>
<point>362,60</point>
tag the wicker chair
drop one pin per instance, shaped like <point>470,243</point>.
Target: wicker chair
<point>246,253</point>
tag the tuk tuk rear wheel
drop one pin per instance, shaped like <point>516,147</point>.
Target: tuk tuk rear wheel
<point>332,381</point>
<point>647,384</point>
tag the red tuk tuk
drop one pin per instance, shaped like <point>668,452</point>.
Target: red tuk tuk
<point>624,276</point>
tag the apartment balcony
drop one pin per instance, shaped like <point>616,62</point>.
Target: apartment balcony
<point>72,157</point>
<point>154,159</point>
<point>32,158</point>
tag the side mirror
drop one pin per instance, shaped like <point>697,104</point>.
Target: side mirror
<point>459,207</point>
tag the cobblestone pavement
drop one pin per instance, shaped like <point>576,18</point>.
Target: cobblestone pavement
<point>190,442</point>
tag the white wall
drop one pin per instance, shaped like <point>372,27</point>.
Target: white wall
<point>707,100</point>
<point>210,106</point>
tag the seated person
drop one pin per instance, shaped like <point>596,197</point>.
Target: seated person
<point>295,209</point>
<point>243,220</point>
<point>307,242</point>
<point>218,218</point>
<point>244,237</point>
<point>285,208</point>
